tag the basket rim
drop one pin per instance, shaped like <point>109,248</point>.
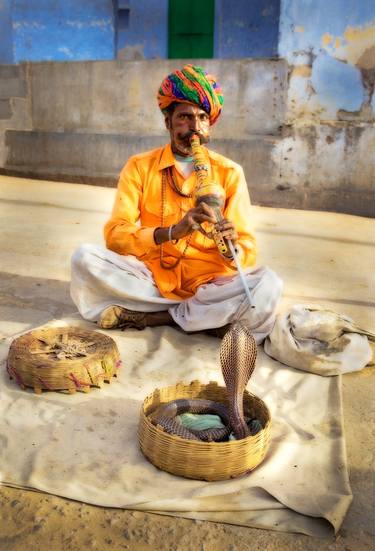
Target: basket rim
<point>200,443</point>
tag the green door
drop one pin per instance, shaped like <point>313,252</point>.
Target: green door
<point>191,28</point>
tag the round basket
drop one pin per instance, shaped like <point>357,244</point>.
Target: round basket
<point>63,358</point>
<point>203,460</point>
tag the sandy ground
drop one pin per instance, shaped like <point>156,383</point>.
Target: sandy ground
<point>40,225</point>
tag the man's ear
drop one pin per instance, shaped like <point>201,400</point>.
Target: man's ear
<point>167,121</point>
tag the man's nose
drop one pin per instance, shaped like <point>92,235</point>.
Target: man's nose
<point>195,123</point>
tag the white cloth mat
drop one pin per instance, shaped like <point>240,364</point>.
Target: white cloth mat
<point>85,446</point>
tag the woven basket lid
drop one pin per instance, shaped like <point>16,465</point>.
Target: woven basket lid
<point>63,358</point>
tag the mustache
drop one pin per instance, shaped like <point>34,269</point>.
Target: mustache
<point>188,135</point>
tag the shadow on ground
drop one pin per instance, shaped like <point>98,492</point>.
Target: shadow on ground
<point>29,301</point>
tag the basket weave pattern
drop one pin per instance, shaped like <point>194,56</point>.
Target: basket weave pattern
<point>63,358</point>
<point>202,460</point>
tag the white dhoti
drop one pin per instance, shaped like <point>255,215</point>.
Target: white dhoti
<point>102,278</point>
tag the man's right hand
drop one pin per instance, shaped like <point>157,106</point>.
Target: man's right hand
<point>188,224</point>
<point>192,220</point>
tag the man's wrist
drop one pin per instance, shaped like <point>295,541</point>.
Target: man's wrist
<point>158,235</point>
<point>162,235</point>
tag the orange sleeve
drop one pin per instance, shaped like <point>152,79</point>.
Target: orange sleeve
<point>238,210</point>
<point>123,232</point>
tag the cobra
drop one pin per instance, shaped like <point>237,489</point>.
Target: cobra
<point>238,353</point>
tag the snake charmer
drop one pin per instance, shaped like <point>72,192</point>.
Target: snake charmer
<point>160,266</point>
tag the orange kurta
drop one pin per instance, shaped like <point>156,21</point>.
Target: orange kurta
<point>137,212</point>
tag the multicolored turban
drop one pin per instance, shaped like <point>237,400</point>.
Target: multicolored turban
<point>192,85</point>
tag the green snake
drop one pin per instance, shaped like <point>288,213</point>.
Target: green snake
<point>238,352</point>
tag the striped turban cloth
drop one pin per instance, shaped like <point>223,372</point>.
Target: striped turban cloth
<point>192,85</point>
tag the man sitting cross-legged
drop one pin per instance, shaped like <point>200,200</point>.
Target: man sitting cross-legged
<point>158,267</point>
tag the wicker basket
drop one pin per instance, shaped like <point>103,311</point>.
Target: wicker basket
<point>63,358</point>
<point>202,460</point>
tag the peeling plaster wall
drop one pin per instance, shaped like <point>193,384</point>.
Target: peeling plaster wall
<point>331,46</point>
<point>63,30</point>
<point>328,145</point>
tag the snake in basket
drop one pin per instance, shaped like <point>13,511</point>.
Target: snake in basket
<point>238,352</point>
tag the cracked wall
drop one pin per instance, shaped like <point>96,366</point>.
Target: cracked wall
<point>329,133</point>
<point>331,49</point>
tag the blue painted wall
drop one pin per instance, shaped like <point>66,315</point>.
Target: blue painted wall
<point>68,30</point>
<point>243,28</point>
<point>6,39</point>
<point>246,28</point>
<point>142,29</point>
<point>63,30</point>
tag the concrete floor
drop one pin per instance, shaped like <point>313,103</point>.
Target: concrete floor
<point>323,258</point>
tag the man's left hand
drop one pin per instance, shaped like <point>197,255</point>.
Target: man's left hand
<point>227,229</point>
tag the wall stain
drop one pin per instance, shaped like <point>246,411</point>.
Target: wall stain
<point>302,71</point>
<point>352,136</point>
<point>131,53</point>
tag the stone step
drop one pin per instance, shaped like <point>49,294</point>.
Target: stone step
<point>5,109</point>
<point>10,71</point>
<point>12,82</point>
<point>98,158</point>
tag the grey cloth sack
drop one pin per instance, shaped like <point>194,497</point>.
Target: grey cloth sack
<point>314,339</point>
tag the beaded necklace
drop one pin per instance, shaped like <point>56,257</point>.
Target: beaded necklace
<point>167,176</point>
<point>173,183</point>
